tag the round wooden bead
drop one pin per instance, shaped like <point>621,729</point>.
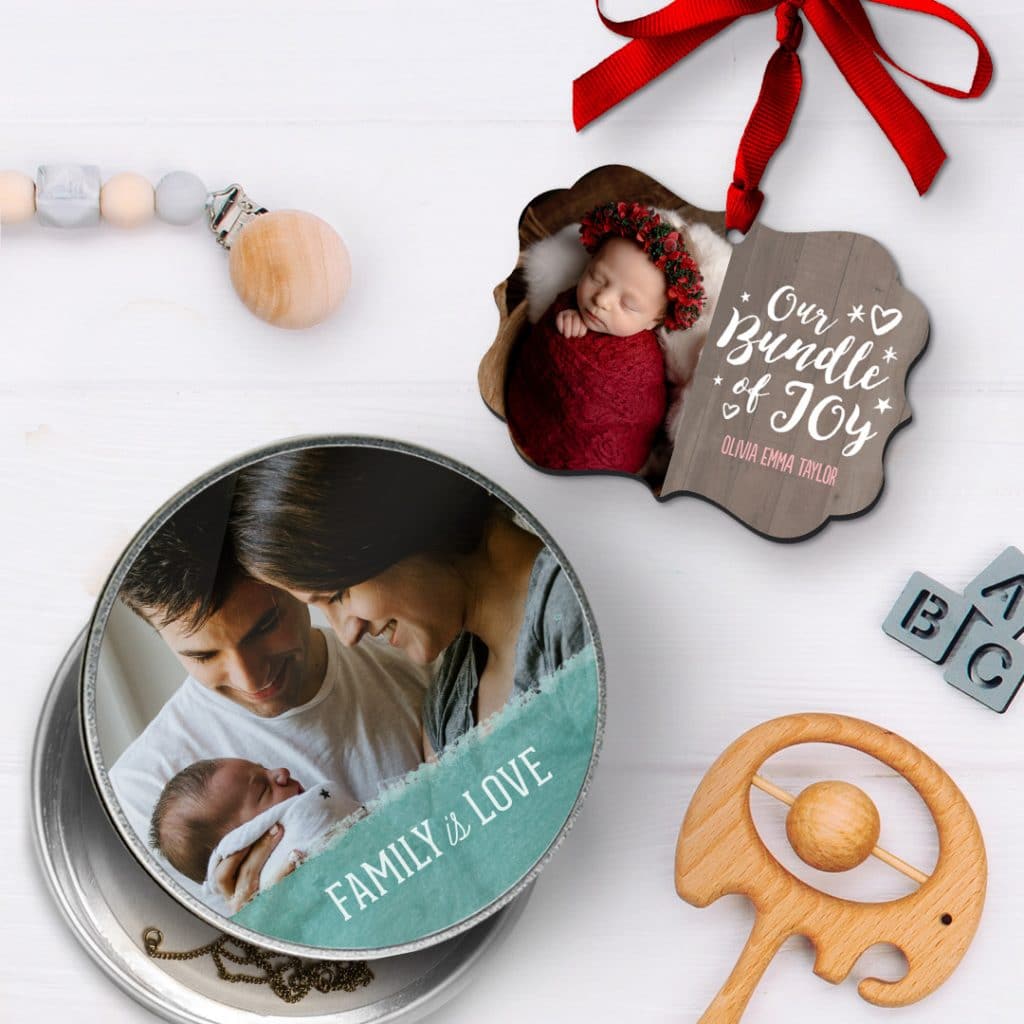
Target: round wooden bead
<point>17,197</point>
<point>833,826</point>
<point>180,198</point>
<point>126,200</point>
<point>290,268</point>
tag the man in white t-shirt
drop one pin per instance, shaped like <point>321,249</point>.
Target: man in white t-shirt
<point>262,684</point>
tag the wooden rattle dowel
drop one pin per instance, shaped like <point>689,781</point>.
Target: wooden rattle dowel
<point>883,855</point>
<point>900,865</point>
<point>772,790</point>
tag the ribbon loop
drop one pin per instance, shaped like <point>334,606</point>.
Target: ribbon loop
<point>789,27</point>
<point>742,206</point>
<point>665,37</point>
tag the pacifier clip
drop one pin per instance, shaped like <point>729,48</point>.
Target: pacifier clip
<point>289,267</point>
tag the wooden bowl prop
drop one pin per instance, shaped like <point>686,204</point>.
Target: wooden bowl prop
<point>832,826</point>
<point>779,400</point>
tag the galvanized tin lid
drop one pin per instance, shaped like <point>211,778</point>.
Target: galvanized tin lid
<point>361,691</point>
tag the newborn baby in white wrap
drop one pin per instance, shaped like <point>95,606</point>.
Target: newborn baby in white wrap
<point>212,809</point>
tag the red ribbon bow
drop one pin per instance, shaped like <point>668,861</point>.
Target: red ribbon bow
<point>659,40</point>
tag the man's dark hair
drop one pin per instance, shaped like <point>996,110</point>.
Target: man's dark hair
<point>187,570</point>
<point>179,829</point>
<point>330,517</point>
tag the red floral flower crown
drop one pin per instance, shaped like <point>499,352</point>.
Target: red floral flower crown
<point>663,246</point>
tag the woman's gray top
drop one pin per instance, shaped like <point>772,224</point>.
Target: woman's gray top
<point>553,630</point>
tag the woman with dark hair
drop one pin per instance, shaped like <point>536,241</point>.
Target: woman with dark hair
<point>393,545</point>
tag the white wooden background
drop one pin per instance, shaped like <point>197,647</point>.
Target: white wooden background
<point>421,130</point>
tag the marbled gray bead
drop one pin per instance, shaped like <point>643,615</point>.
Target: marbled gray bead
<point>68,195</point>
<point>180,198</point>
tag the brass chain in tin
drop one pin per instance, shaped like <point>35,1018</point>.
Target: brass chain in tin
<point>288,977</point>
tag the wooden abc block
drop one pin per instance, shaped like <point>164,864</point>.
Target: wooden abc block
<point>928,617</point>
<point>998,592</point>
<point>987,665</point>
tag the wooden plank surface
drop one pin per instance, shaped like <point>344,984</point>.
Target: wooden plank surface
<point>420,131</point>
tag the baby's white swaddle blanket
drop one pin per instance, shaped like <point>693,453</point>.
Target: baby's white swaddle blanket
<point>306,818</point>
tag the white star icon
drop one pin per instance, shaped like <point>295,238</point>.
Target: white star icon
<point>718,381</point>
<point>856,313</point>
<point>745,297</point>
<point>883,405</point>
<point>890,354</point>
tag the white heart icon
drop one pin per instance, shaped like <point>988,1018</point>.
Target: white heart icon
<point>884,320</point>
<point>728,411</point>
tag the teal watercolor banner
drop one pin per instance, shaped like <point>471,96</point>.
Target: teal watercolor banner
<point>453,836</point>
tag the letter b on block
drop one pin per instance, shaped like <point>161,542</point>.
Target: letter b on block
<point>988,666</point>
<point>928,617</point>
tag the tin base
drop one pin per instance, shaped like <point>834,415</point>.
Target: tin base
<point>109,901</point>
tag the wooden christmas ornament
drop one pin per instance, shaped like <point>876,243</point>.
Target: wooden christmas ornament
<point>774,396</point>
<point>290,268</point>
<point>834,827</point>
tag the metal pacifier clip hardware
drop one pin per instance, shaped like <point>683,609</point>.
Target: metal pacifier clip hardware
<point>289,267</point>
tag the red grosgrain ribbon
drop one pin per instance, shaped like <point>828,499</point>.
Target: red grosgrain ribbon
<point>659,40</point>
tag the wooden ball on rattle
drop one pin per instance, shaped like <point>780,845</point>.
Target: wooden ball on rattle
<point>290,268</point>
<point>833,826</point>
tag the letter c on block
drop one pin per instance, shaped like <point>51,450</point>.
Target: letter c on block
<point>974,668</point>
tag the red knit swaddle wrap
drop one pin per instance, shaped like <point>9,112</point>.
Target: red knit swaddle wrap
<point>594,402</point>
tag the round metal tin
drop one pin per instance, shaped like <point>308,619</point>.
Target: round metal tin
<point>578,758</point>
<point>108,901</point>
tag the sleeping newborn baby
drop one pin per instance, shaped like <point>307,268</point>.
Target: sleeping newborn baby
<point>587,384</point>
<point>212,809</point>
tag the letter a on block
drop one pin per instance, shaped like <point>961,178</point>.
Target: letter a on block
<point>998,592</point>
<point>928,617</point>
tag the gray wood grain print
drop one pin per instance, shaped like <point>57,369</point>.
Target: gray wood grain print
<point>801,383</point>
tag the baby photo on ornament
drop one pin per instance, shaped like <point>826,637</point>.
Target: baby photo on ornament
<point>603,322</point>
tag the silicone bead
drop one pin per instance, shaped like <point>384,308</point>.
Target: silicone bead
<point>68,195</point>
<point>17,197</point>
<point>180,198</point>
<point>126,200</point>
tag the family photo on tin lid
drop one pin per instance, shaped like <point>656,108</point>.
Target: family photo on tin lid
<point>765,376</point>
<point>346,696</point>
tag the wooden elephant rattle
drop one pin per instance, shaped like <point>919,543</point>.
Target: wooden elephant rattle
<point>832,826</point>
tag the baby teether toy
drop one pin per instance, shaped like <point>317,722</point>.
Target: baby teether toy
<point>290,268</point>
<point>832,826</point>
